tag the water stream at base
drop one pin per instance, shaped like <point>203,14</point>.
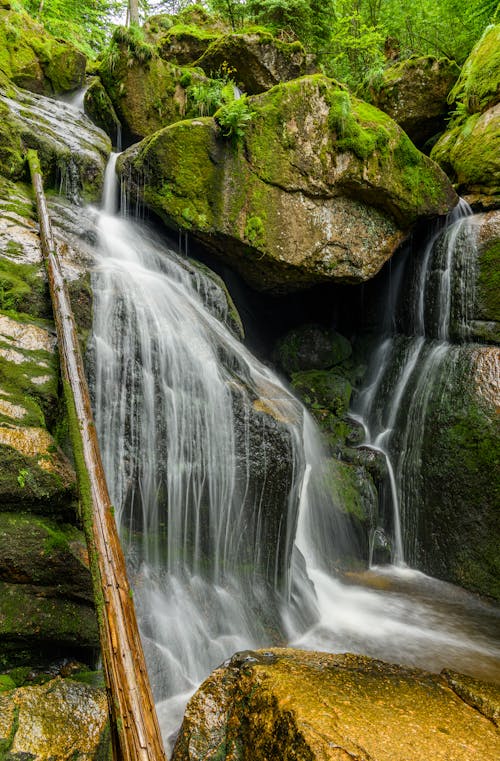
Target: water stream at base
<point>177,397</point>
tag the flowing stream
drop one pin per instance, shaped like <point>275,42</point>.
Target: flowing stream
<point>215,473</point>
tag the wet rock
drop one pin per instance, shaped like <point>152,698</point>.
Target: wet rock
<point>458,533</point>
<point>99,108</point>
<point>337,174</point>
<point>72,151</point>
<point>468,151</point>
<point>486,314</point>
<point>320,706</point>
<point>414,93</point>
<point>56,721</point>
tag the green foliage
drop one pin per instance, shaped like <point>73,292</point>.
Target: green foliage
<point>233,118</point>
<point>208,96</point>
<point>83,23</point>
<point>132,38</point>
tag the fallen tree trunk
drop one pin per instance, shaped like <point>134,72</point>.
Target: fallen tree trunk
<point>136,732</point>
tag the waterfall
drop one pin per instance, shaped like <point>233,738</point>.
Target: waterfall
<point>217,477</point>
<point>408,366</point>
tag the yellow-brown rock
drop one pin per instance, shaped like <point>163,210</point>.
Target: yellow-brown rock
<point>291,704</point>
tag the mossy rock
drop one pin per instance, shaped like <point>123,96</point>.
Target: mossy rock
<point>36,550</point>
<point>146,95</point>
<point>61,720</point>
<point>468,151</point>
<point>257,61</point>
<point>478,87</point>
<point>99,108</point>
<point>469,154</point>
<point>33,59</point>
<point>311,347</point>
<point>12,162</point>
<point>486,316</point>
<point>459,532</point>
<point>414,93</point>
<point>340,176</point>
<point>284,704</point>
<point>323,389</point>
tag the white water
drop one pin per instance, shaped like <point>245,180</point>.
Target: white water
<point>176,396</point>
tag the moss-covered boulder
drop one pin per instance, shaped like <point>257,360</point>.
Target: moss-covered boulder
<point>322,187</point>
<point>99,108</point>
<point>284,704</point>
<point>414,93</point>
<point>257,61</point>
<point>144,89</point>
<point>459,531</point>
<point>33,59</point>
<point>468,151</point>
<point>61,720</point>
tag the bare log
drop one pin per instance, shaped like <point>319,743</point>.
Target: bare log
<point>136,733</point>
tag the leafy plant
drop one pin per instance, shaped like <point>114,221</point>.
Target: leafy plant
<point>22,476</point>
<point>233,118</point>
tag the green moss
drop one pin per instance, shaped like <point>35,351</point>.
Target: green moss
<point>6,683</point>
<point>488,282</point>
<point>11,150</point>
<point>358,127</point>
<point>254,230</point>
<point>323,389</point>
<point>478,87</point>
<point>23,288</point>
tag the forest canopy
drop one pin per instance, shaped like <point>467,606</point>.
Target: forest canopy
<point>352,39</point>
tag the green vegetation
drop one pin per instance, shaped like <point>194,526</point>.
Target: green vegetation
<point>233,118</point>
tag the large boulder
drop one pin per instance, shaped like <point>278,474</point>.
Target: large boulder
<point>485,317</point>
<point>321,187</point>
<point>292,704</point>
<point>257,60</point>
<point>468,151</point>
<point>144,89</point>
<point>33,59</point>
<point>414,93</point>
<point>56,721</point>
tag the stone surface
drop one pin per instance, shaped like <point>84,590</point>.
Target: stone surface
<point>46,601</point>
<point>468,151</point>
<point>338,175</point>
<point>486,317</point>
<point>414,93</point>
<point>73,152</point>
<point>459,532</point>
<point>289,704</point>
<point>61,720</point>
<point>99,108</point>
<point>257,61</point>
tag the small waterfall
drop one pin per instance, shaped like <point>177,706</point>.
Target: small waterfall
<point>408,364</point>
<point>217,475</point>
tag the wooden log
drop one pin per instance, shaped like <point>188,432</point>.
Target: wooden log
<point>136,732</point>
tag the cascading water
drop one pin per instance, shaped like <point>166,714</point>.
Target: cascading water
<point>216,473</point>
<point>408,366</point>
